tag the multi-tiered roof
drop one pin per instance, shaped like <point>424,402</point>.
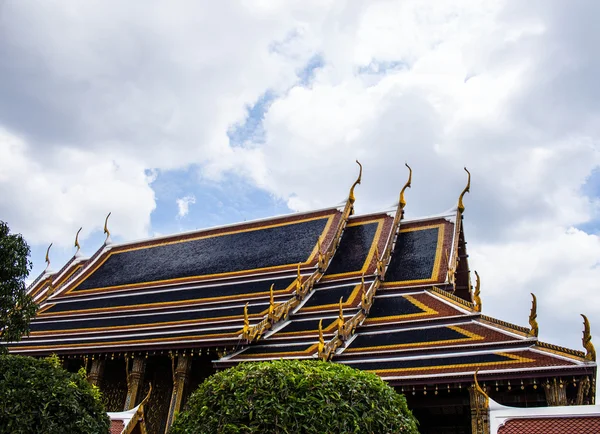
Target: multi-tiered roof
<point>376,292</point>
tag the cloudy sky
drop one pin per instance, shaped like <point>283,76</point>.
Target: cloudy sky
<point>184,114</point>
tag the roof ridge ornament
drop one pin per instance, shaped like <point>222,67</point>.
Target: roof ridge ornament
<point>479,389</point>
<point>477,293</point>
<point>533,333</point>
<point>321,345</point>
<point>77,242</point>
<point>246,329</point>
<point>351,197</point>
<point>340,321</point>
<point>271,310</point>
<point>47,260</point>
<point>467,189</point>
<point>407,185</point>
<point>106,231</point>
<point>587,340</point>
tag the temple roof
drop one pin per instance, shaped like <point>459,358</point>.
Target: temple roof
<point>382,294</point>
<point>581,419</point>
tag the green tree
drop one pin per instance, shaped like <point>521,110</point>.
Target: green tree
<point>38,396</point>
<point>16,307</point>
<point>288,396</point>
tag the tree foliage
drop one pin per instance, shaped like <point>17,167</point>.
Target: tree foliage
<point>38,396</point>
<point>16,307</point>
<point>294,397</point>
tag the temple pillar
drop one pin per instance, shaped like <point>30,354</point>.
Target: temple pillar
<point>480,416</point>
<point>96,372</point>
<point>556,392</point>
<point>134,381</point>
<point>180,378</point>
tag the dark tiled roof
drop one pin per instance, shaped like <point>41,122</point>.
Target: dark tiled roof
<point>420,255</point>
<point>125,321</point>
<point>287,244</point>
<point>304,349</point>
<point>307,327</point>
<point>392,339</point>
<point>354,248</point>
<point>328,298</point>
<point>187,296</point>
<point>399,367</point>
<point>552,425</point>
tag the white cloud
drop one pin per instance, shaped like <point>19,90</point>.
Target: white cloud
<point>97,94</point>
<point>48,201</point>
<point>183,205</point>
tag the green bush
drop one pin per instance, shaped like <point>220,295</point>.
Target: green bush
<point>289,396</point>
<point>38,396</point>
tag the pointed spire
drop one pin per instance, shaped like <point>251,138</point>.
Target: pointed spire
<point>407,185</point>
<point>461,206</point>
<point>476,295</point>
<point>106,231</point>
<point>47,260</point>
<point>351,197</point>
<point>533,332</point>
<point>77,242</point>
<point>587,340</point>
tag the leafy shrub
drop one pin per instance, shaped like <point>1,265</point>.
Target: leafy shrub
<point>38,396</point>
<point>289,396</point>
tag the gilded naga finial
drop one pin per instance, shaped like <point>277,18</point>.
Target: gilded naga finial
<point>147,398</point>
<point>587,340</point>
<point>48,257</point>
<point>480,390</point>
<point>246,329</point>
<point>106,231</point>
<point>340,321</point>
<point>271,302</point>
<point>407,185</point>
<point>298,281</point>
<point>321,346</point>
<point>477,293</point>
<point>77,241</point>
<point>351,197</point>
<point>321,256</point>
<point>533,332</point>
<point>461,206</point>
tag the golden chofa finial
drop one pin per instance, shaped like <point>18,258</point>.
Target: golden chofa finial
<point>77,241</point>
<point>533,332</point>
<point>461,206</point>
<point>321,346</point>
<point>298,281</point>
<point>271,302</point>
<point>351,197</point>
<point>48,257</point>
<point>407,185</point>
<point>106,231</point>
<point>477,293</point>
<point>246,329</point>
<point>587,340</point>
<point>480,390</point>
<point>340,321</point>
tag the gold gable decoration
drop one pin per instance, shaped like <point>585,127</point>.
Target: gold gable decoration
<point>281,311</point>
<point>346,328</point>
<point>534,331</point>
<point>587,340</point>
